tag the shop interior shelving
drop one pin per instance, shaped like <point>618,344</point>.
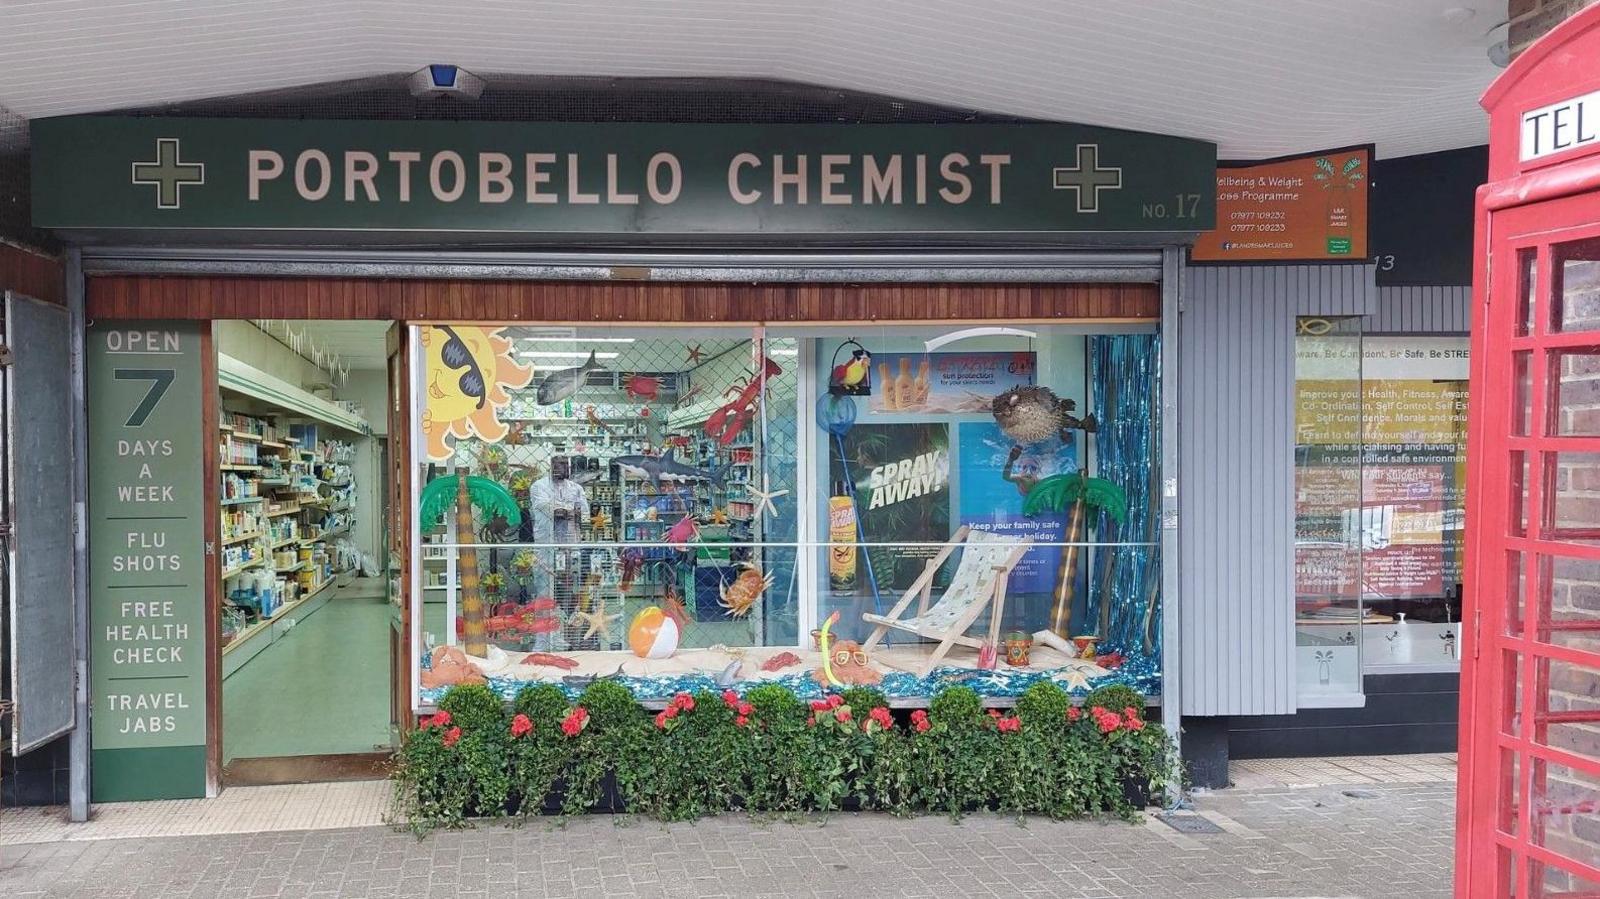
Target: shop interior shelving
<point>286,488</point>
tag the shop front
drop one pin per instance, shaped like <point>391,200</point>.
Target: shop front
<point>814,406</point>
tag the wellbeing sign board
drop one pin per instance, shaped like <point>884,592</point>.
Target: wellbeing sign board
<point>523,178</point>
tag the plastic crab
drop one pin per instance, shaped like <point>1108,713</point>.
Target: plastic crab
<point>742,595</point>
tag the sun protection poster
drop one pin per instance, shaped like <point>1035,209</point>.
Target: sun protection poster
<point>1306,208</point>
<point>945,383</point>
<point>991,493</point>
<point>901,474</point>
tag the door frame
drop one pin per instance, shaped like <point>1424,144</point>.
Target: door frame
<point>1505,680</point>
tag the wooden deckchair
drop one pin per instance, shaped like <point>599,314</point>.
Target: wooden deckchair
<point>979,581</point>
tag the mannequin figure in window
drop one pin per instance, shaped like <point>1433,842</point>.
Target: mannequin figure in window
<point>556,505</point>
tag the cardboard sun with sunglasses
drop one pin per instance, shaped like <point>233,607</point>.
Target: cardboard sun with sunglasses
<point>468,375</point>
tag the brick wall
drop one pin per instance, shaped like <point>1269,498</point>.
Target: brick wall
<point>1566,807</point>
<point>1531,19</point>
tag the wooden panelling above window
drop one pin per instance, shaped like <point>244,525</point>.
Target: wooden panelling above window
<point>124,297</point>
<point>32,274</point>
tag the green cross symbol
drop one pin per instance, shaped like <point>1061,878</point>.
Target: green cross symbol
<point>167,173</point>
<point>1087,178</point>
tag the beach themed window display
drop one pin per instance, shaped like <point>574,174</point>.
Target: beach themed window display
<point>687,508</point>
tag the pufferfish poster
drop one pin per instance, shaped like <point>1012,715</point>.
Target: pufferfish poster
<point>468,373</point>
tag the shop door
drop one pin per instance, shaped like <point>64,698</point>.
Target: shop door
<point>1531,678</point>
<point>398,512</point>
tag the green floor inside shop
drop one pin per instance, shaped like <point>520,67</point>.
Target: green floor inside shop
<point>321,689</point>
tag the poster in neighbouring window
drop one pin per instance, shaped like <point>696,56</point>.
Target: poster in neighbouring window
<point>945,383</point>
<point>992,487</point>
<point>901,474</point>
<point>1302,208</point>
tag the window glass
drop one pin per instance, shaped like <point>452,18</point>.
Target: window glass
<point>1330,523</point>
<point>1414,474</point>
<point>680,508</point>
<point>1380,502</point>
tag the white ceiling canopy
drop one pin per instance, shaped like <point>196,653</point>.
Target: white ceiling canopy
<point>1259,77</point>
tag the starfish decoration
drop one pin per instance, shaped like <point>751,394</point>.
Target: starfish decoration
<point>765,496</point>
<point>695,354</point>
<point>598,621</point>
<point>1072,676</point>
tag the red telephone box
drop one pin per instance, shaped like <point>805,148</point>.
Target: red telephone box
<point>1528,809</point>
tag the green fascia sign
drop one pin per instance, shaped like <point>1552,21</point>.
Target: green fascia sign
<point>147,584</point>
<point>516,178</point>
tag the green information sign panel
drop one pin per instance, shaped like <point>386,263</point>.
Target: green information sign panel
<point>146,561</point>
<point>519,178</point>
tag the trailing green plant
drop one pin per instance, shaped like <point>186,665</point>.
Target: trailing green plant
<point>608,736</point>
<point>770,752</point>
<point>953,774</point>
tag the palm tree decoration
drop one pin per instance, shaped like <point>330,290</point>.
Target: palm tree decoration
<point>1076,495</point>
<point>491,500</point>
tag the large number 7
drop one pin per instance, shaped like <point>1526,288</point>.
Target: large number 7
<point>160,379</point>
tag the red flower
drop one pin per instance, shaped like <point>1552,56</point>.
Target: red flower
<point>994,713</point>
<point>835,701</point>
<point>574,723</point>
<point>811,720</point>
<point>452,737</point>
<point>687,702</point>
<point>440,719</point>
<point>1135,724</point>
<point>741,721</point>
<point>661,719</point>
<point>841,714</point>
<point>1009,725</point>
<point>745,709</point>
<point>1107,721</point>
<point>670,711</point>
<point>730,697</point>
<point>1130,713</point>
<point>819,705</point>
<point>919,720</point>
<point>882,716</point>
<point>1074,713</point>
<point>521,726</point>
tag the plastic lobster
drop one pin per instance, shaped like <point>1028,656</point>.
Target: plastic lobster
<point>725,424</point>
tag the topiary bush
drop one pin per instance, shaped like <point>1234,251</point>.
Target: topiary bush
<point>1044,705</point>
<point>544,704</point>
<point>864,699</point>
<point>473,707</point>
<point>1115,697</point>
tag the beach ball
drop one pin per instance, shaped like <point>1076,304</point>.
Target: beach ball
<point>653,635</point>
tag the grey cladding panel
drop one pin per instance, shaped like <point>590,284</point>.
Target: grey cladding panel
<point>1236,461</point>
<point>38,475</point>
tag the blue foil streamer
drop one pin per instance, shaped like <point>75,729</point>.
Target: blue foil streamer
<point>1125,373</point>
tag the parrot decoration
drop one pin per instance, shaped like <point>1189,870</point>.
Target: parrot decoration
<point>852,376</point>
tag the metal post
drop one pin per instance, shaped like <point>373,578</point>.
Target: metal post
<point>78,746</point>
<point>1171,592</point>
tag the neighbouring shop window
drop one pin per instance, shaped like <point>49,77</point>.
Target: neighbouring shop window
<point>1379,503</point>
<point>684,508</point>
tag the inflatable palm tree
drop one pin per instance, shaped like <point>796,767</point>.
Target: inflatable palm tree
<point>491,500</point>
<point>1078,495</point>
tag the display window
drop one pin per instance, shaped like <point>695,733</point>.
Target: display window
<point>683,508</point>
<point>1380,476</point>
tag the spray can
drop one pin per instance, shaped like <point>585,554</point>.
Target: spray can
<point>842,540</point>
